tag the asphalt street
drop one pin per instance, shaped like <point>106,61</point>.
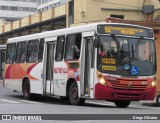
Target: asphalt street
<point>13,103</point>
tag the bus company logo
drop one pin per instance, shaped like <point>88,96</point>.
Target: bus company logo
<point>60,70</point>
<point>130,85</point>
<point>6,117</point>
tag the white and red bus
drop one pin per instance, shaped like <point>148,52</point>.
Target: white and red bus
<point>113,62</point>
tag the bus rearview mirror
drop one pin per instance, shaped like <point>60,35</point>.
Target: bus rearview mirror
<point>96,41</point>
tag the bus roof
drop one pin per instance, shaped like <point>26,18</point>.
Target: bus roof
<point>65,31</point>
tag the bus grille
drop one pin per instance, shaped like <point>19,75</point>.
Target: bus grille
<point>121,95</point>
<point>118,85</point>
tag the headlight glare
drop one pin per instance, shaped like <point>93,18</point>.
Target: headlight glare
<point>101,79</point>
<point>153,84</point>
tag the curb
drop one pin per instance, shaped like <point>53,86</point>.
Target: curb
<point>150,103</point>
<point>153,104</point>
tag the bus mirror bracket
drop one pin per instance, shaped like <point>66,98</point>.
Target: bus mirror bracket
<point>96,41</point>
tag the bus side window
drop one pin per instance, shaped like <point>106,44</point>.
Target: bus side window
<point>10,55</point>
<point>32,51</point>
<point>21,52</point>
<point>41,48</point>
<point>73,46</point>
<point>60,48</point>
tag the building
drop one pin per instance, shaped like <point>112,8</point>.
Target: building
<point>2,21</point>
<point>44,5</point>
<point>12,10</point>
<point>52,19</point>
<point>99,10</point>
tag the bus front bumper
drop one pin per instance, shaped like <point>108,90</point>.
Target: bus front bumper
<point>107,93</point>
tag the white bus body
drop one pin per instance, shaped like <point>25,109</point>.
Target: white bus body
<point>55,73</point>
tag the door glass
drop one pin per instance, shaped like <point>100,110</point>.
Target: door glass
<point>49,67</point>
<point>88,59</point>
<point>73,46</point>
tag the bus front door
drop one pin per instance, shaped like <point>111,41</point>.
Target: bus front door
<point>49,64</point>
<point>86,70</point>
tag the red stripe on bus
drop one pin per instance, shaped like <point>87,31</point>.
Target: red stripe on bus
<point>30,68</point>
<point>7,76</point>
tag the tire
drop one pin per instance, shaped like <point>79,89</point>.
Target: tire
<point>26,90</point>
<point>158,100</point>
<point>122,103</point>
<point>73,95</point>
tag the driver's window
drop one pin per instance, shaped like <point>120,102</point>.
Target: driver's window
<point>73,46</point>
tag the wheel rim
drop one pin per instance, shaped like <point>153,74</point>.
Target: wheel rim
<point>74,93</point>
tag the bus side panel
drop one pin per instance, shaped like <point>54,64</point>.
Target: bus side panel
<point>13,84</point>
<point>60,78</point>
<point>9,77</point>
<point>32,71</point>
<point>37,85</point>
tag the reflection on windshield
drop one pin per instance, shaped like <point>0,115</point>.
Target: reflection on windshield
<point>126,56</point>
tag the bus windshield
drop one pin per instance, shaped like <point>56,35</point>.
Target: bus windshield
<point>126,56</point>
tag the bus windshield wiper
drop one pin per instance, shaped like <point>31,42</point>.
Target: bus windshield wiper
<point>115,39</point>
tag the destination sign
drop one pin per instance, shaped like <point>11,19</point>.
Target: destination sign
<point>125,30</point>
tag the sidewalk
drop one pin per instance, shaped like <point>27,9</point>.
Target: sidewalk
<point>149,103</point>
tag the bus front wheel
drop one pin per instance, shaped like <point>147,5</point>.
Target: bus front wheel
<point>73,95</point>
<point>158,100</point>
<point>122,103</point>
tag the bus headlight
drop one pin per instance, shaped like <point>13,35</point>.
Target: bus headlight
<point>101,79</point>
<point>153,84</point>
